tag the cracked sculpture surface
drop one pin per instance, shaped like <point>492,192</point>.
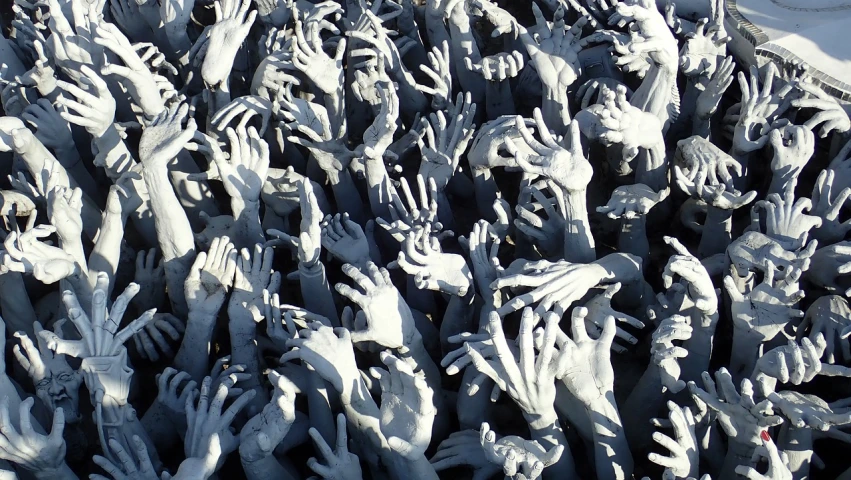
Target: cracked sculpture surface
<point>417,239</point>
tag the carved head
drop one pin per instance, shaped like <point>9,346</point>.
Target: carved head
<point>56,383</point>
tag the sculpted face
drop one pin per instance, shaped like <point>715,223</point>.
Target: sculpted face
<point>60,387</point>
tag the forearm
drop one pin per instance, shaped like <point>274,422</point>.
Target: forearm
<point>107,250</point>
<point>699,348</point>
<point>194,353</point>
<point>247,230</point>
<point>797,444</point>
<point>346,195</point>
<point>68,157</point>
<point>643,403</point>
<point>336,106</point>
<point>321,417</point>
<point>781,180</point>
<point>112,153</point>
<point>633,237</point>
<point>653,167</point>
<point>656,93</point>
<point>63,472</point>
<point>556,108</point>
<point>379,185</point>
<point>498,99</point>
<point>737,454</point>
<point>316,292</point>
<point>414,469</point>
<point>716,234</point>
<point>436,29</point>
<point>457,319</point>
<point>745,353</point>
<point>578,241</point>
<point>683,125</point>
<point>174,234</point>
<point>159,427</point>
<point>15,305</point>
<point>611,451</point>
<point>463,45</point>
<point>546,430</point>
<point>266,468</point>
<point>362,415</point>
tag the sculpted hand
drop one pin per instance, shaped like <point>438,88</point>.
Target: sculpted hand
<point>684,460</point>
<point>742,419</point>
<point>765,311</point>
<point>223,39</point>
<point>387,318</point>
<point>340,463</point>
<point>785,220</point>
<point>433,269</point>
<point>329,351</point>
<point>790,363</point>
<point>210,278</point>
<point>414,217</point>
<point>698,160</point>
<point>165,137</point>
<point>665,355</point>
<point>407,408</point>
<point>658,40</point>
<point>52,130</point>
<point>26,253</point>
<point>379,135</point>
<point>565,165</point>
<point>263,432</point>
<point>150,276</point>
<point>713,91</point>
<point>345,240</point>
<point>630,201</point>
<point>584,365</point>
<point>827,205</point>
<point>63,209</point>
<point>554,51</point>
<point>830,113</point>
<point>252,276</point>
<point>248,106</point>
<point>616,121</point>
<point>519,458</point>
<point>438,70</point>
<point>168,382</point>
<point>464,448</point>
<point>694,274</point>
<point>807,411</point>
<point>498,67</point>
<point>547,233</point>
<point>829,318</point>
<point>484,260</point>
<point>828,268</point>
<point>208,427</point>
<point>243,173</point>
<point>600,308</point>
<point>793,146</point>
<point>30,450</point>
<point>719,196</point>
<point>150,339</point>
<point>91,100</point>
<point>139,468</point>
<point>275,324</point>
<point>778,463</point>
<point>446,141</point>
<point>324,71</point>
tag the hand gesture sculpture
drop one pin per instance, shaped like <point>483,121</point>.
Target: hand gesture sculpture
<point>827,268</point>
<point>465,448</point>
<point>433,269</point>
<point>413,217</point>
<point>693,274</point>
<point>659,43</point>
<point>91,100</point>
<point>340,464</point>
<point>329,351</point>
<point>807,411</point>
<point>778,463</point>
<point>830,113</point>
<point>827,205</point>
<point>407,408</point>
<point>208,435</point>
<point>243,173</point>
<point>380,300</point>
<point>617,121</point>
<point>25,252</point>
<point>792,363</point>
<point>345,240</point>
<point>499,67</point>
<point>519,458</point>
<point>324,71</point>
<point>666,356</point>
<point>547,233</point>
<point>785,220</point>
<point>742,419</point>
<point>716,195</point>
<point>683,461</point>
<point>631,201</point>
<point>698,160</point>
<point>264,431</point>
<point>714,89</point>
<point>219,45</point>
<point>554,52</point>
<point>793,146</point>
<point>584,365</point>
<point>765,310</point>
<point>52,130</point>
<point>210,278</point>
<point>309,243</point>
<point>36,453</point>
<point>528,380</point>
<point>829,318</point>
<point>140,468</point>
<point>564,164</point>
<point>446,140</point>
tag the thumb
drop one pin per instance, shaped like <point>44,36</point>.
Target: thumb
<point>400,446</point>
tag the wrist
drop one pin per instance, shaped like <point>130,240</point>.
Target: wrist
<point>543,420</point>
